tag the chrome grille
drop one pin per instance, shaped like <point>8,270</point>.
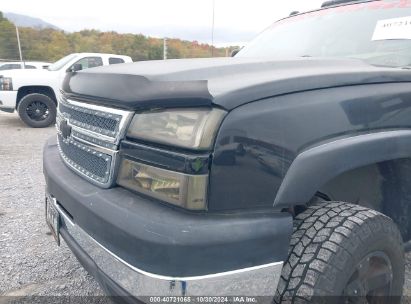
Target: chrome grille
<point>91,118</point>
<point>86,160</point>
<point>91,147</point>
<point>106,123</point>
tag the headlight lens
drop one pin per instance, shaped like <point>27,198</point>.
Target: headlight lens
<point>6,84</point>
<point>183,190</point>
<point>187,128</point>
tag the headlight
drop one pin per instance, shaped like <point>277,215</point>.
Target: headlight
<point>183,190</point>
<point>6,84</point>
<point>187,128</point>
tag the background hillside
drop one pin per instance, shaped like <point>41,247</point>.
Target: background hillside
<point>48,44</point>
<point>27,21</point>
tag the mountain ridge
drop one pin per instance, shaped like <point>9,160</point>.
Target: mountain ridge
<point>28,21</point>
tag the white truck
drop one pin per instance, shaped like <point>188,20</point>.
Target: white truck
<point>34,93</point>
<point>16,65</point>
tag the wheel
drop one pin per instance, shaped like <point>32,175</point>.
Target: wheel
<point>343,253</point>
<point>37,110</point>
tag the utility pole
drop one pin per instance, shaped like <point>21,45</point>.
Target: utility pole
<point>18,42</point>
<point>212,31</point>
<point>165,48</point>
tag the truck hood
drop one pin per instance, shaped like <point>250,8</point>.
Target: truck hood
<point>226,82</point>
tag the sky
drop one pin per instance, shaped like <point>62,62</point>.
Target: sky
<point>235,21</point>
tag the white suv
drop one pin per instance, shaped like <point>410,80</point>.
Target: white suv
<point>34,92</point>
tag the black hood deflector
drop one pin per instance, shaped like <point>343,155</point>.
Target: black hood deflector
<point>226,82</point>
<point>134,92</point>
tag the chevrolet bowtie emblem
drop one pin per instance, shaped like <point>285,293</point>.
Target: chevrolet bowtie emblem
<point>65,129</point>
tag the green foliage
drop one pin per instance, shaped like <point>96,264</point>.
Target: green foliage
<point>8,40</point>
<point>50,45</point>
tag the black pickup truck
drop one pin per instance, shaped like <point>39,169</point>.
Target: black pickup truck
<point>282,172</point>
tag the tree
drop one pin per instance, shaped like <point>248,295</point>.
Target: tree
<point>8,39</point>
<point>50,44</point>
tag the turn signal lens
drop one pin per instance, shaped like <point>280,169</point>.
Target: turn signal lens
<point>183,190</point>
<point>6,84</point>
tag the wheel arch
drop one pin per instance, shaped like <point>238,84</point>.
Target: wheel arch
<point>26,90</point>
<point>384,187</point>
<point>372,170</point>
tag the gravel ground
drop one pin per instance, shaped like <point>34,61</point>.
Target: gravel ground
<point>30,261</point>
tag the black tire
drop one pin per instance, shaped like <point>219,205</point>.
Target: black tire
<point>336,245</point>
<point>37,110</point>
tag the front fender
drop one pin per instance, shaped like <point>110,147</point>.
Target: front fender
<point>358,124</point>
<point>315,166</point>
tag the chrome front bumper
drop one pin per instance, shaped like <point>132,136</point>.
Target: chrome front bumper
<point>254,281</point>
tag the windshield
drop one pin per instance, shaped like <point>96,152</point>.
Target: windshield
<point>365,31</point>
<point>60,63</point>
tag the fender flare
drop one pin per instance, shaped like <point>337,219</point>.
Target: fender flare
<point>315,166</point>
<point>39,89</point>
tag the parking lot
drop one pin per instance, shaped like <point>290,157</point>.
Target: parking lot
<point>30,261</point>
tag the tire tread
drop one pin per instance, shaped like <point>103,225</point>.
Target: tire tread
<point>326,232</point>
<point>21,109</point>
